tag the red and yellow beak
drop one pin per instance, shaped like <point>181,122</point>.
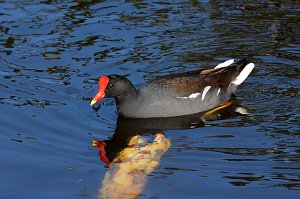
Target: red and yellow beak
<point>103,81</point>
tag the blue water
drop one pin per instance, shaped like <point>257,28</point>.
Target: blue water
<point>53,52</point>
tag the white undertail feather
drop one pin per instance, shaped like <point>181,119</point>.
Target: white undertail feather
<point>225,64</point>
<point>205,90</point>
<point>244,74</point>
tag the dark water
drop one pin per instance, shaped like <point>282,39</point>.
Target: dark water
<point>52,53</point>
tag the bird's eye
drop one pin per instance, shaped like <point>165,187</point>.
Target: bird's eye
<point>111,86</point>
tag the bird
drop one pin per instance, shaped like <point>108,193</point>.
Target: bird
<point>175,94</point>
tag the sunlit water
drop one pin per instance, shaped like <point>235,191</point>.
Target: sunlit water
<point>52,53</point>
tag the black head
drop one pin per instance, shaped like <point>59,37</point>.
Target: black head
<point>116,86</point>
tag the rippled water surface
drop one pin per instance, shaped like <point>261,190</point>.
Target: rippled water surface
<point>53,52</point>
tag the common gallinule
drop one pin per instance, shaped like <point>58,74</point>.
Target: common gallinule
<point>176,94</point>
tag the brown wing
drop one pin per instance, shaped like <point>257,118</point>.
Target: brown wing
<point>184,84</point>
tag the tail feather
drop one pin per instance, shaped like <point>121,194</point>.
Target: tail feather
<point>240,64</point>
<point>239,71</point>
<point>243,74</point>
<point>225,64</point>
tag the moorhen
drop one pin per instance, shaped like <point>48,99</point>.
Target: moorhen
<point>175,94</point>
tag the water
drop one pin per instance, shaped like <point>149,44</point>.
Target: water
<point>52,53</point>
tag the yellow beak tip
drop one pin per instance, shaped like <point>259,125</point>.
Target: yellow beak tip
<point>93,102</point>
<point>94,143</point>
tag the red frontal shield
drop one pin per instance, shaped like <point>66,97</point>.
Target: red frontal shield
<point>103,81</point>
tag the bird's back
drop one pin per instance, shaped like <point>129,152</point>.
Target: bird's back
<point>187,93</point>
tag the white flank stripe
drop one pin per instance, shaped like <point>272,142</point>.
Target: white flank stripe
<point>244,74</point>
<point>191,96</point>
<point>194,95</point>
<point>225,64</point>
<point>219,89</point>
<point>205,90</point>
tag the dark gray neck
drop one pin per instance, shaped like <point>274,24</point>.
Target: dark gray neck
<point>130,95</point>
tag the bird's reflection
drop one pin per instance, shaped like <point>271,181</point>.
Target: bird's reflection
<point>131,157</point>
<point>128,175</point>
